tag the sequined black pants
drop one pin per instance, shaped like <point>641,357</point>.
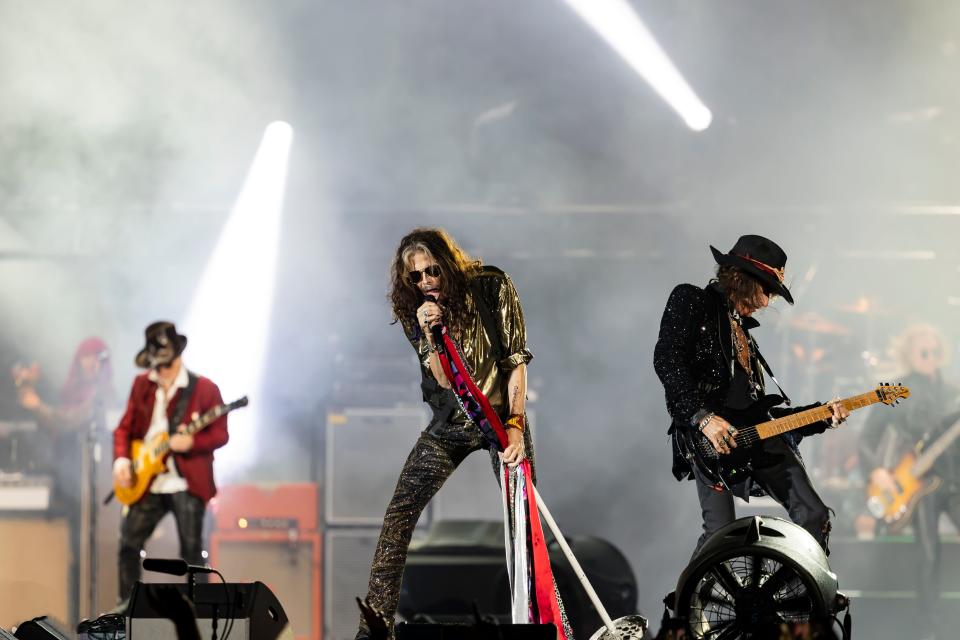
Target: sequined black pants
<point>433,459</point>
<point>142,518</point>
<point>786,481</point>
<point>926,520</point>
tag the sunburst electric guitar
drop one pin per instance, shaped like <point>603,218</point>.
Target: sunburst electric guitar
<point>754,425</point>
<point>911,479</point>
<point>149,459</point>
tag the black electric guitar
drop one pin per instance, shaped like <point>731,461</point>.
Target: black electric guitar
<point>755,424</point>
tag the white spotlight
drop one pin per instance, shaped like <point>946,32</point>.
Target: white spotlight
<point>621,27</point>
<point>229,317</point>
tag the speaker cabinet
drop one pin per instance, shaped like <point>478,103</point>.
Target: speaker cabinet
<point>251,608</point>
<point>289,563</point>
<point>365,451</point>
<point>346,567</point>
<point>35,557</point>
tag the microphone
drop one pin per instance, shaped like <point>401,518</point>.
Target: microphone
<point>173,566</point>
<point>436,330</point>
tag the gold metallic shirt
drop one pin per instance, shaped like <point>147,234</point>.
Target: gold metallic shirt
<point>491,376</point>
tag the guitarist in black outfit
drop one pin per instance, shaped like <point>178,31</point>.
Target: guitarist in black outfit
<point>710,365</point>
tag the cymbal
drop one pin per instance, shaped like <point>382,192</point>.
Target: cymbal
<point>815,323</point>
<point>866,306</point>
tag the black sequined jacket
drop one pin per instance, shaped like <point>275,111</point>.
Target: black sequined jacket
<point>694,359</point>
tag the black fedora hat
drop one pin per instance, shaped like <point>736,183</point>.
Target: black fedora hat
<point>759,257</point>
<point>163,345</point>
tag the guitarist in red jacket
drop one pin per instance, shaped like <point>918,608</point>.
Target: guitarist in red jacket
<point>162,399</point>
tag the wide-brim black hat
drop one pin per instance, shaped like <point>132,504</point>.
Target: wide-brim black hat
<point>759,257</point>
<point>163,345</point>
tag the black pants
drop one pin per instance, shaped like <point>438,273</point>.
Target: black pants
<point>142,518</point>
<point>785,480</point>
<point>433,459</point>
<point>925,522</point>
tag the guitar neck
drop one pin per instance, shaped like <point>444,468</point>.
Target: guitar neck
<point>194,426</point>
<point>803,418</point>
<point>925,462</point>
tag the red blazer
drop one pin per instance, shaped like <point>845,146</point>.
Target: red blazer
<point>196,465</point>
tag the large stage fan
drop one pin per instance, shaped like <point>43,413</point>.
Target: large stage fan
<point>753,575</point>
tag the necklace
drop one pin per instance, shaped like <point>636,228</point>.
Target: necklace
<point>741,343</point>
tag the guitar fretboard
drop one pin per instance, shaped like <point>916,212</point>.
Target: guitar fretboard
<point>764,430</point>
<point>208,418</point>
<point>925,462</point>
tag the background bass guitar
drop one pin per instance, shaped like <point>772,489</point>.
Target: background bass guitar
<point>896,506</point>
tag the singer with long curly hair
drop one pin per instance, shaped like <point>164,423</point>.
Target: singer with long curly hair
<point>433,283</point>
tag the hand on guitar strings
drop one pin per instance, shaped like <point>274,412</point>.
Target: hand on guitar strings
<point>883,479</point>
<point>181,442</point>
<point>721,434</point>
<point>123,474</point>
<point>839,412</point>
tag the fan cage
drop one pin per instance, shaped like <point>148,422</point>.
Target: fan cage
<point>711,611</point>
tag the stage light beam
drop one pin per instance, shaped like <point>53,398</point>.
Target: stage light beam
<point>228,320</point>
<point>622,28</point>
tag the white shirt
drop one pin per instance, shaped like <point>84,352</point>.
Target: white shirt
<point>169,481</point>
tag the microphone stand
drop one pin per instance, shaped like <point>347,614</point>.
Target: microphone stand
<point>95,427</point>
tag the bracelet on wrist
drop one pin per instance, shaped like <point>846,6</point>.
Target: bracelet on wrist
<point>515,421</point>
<point>704,421</point>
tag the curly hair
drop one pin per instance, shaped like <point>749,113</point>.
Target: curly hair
<point>742,288</point>
<point>901,346</point>
<point>456,269</point>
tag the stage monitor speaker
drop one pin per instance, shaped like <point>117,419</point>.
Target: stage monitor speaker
<point>251,608</point>
<point>365,451</point>
<point>476,632</point>
<point>39,629</point>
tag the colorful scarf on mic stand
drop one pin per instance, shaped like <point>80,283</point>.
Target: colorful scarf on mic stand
<point>534,594</point>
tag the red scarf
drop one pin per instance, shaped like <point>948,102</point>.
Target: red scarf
<point>478,409</point>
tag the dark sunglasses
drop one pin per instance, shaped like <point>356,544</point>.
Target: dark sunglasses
<point>416,276</point>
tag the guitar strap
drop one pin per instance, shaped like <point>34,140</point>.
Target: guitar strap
<point>180,410</point>
<point>766,367</point>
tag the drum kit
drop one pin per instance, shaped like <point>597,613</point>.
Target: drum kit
<point>830,355</point>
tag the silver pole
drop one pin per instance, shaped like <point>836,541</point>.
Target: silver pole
<point>577,569</point>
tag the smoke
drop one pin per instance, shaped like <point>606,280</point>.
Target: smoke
<point>126,130</point>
